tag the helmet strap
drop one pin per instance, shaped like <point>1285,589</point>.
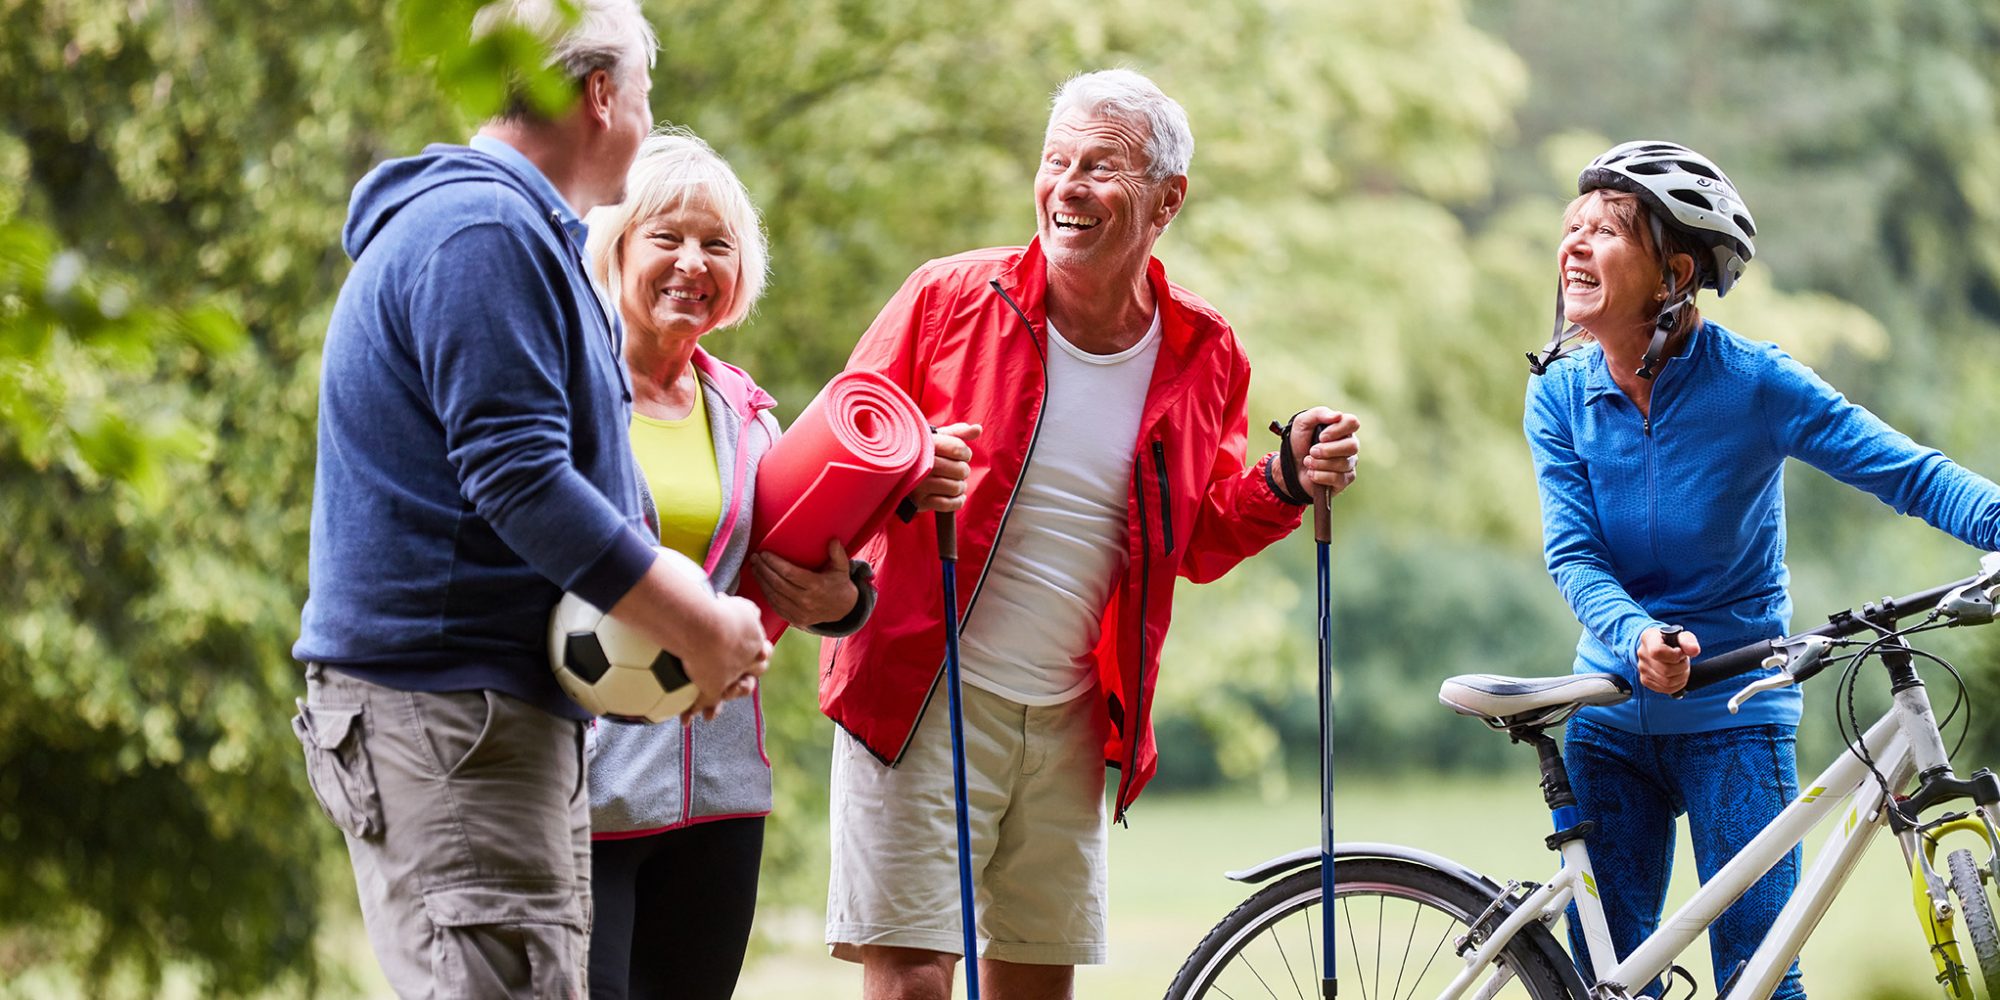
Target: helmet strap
<point>1559,345</point>
<point>1669,319</point>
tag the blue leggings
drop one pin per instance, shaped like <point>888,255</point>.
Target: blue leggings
<point>1729,782</point>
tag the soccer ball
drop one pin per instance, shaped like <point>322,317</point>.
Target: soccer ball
<point>611,669</point>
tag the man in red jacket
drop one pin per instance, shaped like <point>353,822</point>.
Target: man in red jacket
<point>1109,409</point>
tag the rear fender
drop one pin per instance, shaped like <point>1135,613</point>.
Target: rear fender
<point>1309,856</point>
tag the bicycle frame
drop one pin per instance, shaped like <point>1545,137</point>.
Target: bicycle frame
<point>1902,743</point>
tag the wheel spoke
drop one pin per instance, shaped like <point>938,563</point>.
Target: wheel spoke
<point>1435,950</point>
<point>1312,944</point>
<point>1353,943</point>
<point>1279,940</point>
<point>1416,914</point>
<point>1381,906</point>
<point>1260,980</point>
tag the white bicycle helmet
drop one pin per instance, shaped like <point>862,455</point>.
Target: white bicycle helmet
<point>1686,190</point>
<point>1680,188</point>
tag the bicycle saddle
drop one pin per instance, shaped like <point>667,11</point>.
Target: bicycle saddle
<point>1507,702</point>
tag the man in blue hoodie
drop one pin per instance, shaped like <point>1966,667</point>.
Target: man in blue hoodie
<point>473,464</point>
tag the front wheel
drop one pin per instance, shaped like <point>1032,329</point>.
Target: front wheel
<point>1397,923</point>
<point>1976,913</point>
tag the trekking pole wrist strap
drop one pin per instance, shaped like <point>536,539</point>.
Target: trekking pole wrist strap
<point>1285,482</point>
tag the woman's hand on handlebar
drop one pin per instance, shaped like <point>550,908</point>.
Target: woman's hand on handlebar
<point>1662,667</point>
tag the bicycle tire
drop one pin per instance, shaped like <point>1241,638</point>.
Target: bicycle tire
<point>1975,910</point>
<point>1245,956</point>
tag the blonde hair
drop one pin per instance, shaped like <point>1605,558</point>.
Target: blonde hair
<point>676,168</point>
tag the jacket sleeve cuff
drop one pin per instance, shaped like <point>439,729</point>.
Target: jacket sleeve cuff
<point>606,581</point>
<point>1270,466</point>
<point>863,576</point>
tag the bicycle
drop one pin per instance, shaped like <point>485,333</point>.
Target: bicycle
<point>1414,924</point>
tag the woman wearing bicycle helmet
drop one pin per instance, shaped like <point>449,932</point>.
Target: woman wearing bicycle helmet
<point>1659,446</point>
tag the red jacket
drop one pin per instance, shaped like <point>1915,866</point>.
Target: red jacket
<point>966,337</point>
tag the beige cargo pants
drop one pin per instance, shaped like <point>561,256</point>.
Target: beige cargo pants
<point>468,825</point>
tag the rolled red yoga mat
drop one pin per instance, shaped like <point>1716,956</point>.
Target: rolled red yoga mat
<point>860,446</point>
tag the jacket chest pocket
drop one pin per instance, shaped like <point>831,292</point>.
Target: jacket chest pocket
<point>1157,479</point>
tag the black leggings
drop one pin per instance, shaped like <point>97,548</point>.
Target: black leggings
<point>673,911</point>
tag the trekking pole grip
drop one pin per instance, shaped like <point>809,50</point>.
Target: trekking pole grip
<point>947,535</point>
<point>1322,500</point>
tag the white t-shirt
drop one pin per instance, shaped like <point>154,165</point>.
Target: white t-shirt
<point>1029,635</point>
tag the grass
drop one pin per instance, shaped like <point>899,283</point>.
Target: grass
<point>1167,887</point>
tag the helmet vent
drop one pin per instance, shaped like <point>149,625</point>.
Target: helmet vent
<point>1699,168</point>
<point>1691,197</point>
<point>1743,223</point>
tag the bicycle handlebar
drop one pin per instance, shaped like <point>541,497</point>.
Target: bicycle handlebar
<point>1723,666</point>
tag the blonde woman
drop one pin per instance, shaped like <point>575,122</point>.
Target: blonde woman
<point>677,809</point>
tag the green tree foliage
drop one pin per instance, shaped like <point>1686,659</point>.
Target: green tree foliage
<point>175,176</point>
<point>1374,204</point>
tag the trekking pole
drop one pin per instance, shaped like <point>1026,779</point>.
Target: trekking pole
<point>1322,535</point>
<point>947,539</point>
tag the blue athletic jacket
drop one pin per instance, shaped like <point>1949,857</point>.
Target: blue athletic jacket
<point>473,457</point>
<point>1680,519</point>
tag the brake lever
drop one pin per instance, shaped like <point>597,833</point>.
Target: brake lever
<point>1796,660</point>
<point>1781,679</point>
<point>1971,604</point>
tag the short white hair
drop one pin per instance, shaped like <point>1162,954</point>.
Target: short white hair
<point>611,35</point>
<point>676,168</point>
<point>1129,97</point>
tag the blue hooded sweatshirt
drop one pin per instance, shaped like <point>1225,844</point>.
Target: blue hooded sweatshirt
<point>473,458</point>
<point>1679,518</point>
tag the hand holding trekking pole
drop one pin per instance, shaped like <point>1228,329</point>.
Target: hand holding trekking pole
<point>1326,450</point>
<point>943,491</point>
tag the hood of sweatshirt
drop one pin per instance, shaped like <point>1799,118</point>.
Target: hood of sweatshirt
<point>392,185</point>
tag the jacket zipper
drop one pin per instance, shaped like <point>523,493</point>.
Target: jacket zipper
<point>687,771</point>
<point>1652,500</point>
<point>1166,504</point>
<point>715,548</point>
<point>1034,435</point>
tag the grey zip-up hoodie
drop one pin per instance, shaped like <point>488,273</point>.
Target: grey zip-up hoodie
<point>651,779</point>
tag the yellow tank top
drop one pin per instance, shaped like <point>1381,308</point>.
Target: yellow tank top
<point>678,460</point>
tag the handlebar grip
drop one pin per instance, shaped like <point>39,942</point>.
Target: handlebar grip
<point>1723,666</point>
<point>1671,635</point>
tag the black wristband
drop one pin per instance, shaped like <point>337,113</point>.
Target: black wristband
<point>863,576</point>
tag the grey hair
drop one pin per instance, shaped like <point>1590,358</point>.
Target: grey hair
<point>1130,97</point>
<point>606,35</point>
<point>676,168</point>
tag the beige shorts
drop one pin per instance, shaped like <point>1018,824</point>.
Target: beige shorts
<point>1035,779</point>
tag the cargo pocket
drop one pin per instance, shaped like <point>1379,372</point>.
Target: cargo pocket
<point>507,940</point>
<point>338,768</point>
